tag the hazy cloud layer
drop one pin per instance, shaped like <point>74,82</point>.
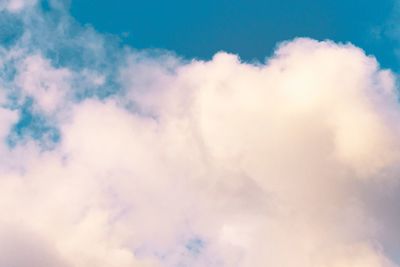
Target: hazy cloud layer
<point>117,157</point>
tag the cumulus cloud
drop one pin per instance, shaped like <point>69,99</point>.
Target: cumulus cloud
<point>157,160</point>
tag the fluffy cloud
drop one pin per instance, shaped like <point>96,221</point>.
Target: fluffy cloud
<point>167,162</point>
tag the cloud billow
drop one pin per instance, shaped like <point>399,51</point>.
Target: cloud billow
<point>117,157</point>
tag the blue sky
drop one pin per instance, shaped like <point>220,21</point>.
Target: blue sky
<point>250,28</point>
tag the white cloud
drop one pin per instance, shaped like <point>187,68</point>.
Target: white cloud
<point>204,163</point>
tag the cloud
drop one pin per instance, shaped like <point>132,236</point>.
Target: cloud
<point>16,5</point>
<point>118,157</point>
<point>45,84</point>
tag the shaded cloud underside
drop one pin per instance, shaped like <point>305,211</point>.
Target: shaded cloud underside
<point>117,157</point>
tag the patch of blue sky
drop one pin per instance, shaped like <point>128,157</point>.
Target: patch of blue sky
<point>33,126</point>
<point>195,246</point>
<point>7,73</point>
<point>197,253</point>
<point>8,88</point>
<point>185,252</point>
<point>45,6</point>
<point>11,29</point>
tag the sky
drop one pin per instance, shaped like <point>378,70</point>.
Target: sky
<point>218,134</point>
<point>250,28</point>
